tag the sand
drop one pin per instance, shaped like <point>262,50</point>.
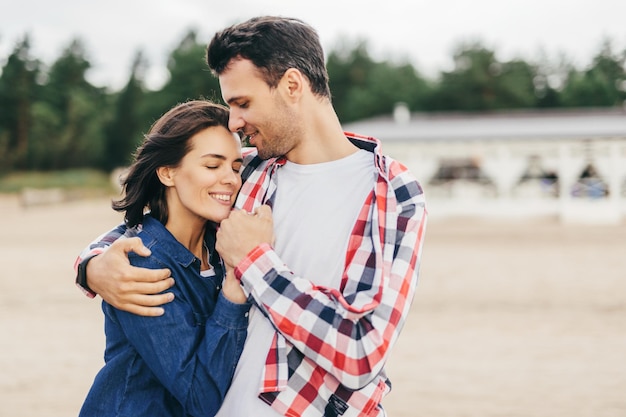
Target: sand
<point>510,319</point>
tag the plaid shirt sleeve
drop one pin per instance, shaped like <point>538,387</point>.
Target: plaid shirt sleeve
<point>349,331</point>
<point>96,247</point>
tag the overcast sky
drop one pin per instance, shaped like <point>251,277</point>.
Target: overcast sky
<point>424,31</point>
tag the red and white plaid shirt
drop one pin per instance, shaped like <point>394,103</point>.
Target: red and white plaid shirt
<point>328,355</point>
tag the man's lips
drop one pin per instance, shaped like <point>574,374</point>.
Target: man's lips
<point>251,137</point>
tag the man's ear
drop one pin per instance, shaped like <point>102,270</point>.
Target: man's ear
<point>166,175</point>
<point>294,82</point>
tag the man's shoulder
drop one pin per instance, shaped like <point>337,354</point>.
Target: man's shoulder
<point>405,184</point>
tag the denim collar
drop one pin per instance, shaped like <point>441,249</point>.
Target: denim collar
<point>168,243</point>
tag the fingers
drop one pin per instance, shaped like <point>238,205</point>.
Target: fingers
<point>141,310</point>
<point>263,211</point>
<point>133,244</point>
<point>156,300</point>
<point>138,275</point>
<point>131,291</point>
<point>142,298</point>
<point>127,287</point>
<point>150,288</point>
<point>234,215</point>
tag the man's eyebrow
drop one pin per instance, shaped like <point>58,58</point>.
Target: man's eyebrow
<point>233,99</point>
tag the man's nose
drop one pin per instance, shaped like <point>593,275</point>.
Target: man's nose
<point>235,122</point>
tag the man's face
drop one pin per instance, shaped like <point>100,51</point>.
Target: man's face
<point>257,110</point>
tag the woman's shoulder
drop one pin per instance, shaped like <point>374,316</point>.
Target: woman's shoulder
<point>155,237</point>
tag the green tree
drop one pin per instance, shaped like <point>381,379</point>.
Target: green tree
<point>601,85</point>
<point>123,131</point>
<point>18,93</point>
<point>348,66</point>
<point>69,132</point>
<point>480,82</point>
<point>470,85</point>
<point>362,87</point>
<point>550,79</point>
<point>515,85</point>
<point>189,77</point>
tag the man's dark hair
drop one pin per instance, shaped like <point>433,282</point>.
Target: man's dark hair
<point>273,44</point>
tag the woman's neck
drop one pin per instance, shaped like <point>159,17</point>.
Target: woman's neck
<point>190,235</point>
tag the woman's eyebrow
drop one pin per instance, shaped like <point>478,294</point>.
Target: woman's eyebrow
<point>213,155</point>
<point>218,156</point>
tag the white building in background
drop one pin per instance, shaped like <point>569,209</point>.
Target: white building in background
<point>569,165</point>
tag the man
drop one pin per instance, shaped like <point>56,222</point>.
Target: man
<point>332,268</point>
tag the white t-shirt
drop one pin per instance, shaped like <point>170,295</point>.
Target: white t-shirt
<point>315,209</point>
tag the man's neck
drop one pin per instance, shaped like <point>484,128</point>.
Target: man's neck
<point>323,140</point>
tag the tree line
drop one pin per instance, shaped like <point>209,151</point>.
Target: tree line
<point>52,118</point>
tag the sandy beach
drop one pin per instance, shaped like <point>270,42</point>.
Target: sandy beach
<point>515,319</point>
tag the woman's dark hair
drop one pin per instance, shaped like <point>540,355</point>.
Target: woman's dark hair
<point>166,144</point>
<point>273,44</point>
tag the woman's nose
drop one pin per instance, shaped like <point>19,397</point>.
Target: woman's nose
<point>230,177</point>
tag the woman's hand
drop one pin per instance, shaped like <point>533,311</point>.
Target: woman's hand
<point>232,288</point>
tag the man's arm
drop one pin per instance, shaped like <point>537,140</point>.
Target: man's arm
<point>349,333</point>
<point>103,268</point>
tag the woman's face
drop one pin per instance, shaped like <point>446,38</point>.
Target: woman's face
<point>207,180</point>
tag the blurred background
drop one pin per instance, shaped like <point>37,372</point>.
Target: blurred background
<point>511,114</point>
<point>80,83</point>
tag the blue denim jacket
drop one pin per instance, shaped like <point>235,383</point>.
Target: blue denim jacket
<point>178,364</point>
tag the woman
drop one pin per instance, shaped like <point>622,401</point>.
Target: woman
<point>183,182</point>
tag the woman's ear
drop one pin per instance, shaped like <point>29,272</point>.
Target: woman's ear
<point>166,175</point>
